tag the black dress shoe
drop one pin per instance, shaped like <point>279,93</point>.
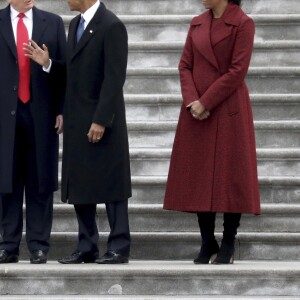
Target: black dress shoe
<point>38,257</point>
<point>78,258</point>
<point>111,257</point>
<point>6,257</point>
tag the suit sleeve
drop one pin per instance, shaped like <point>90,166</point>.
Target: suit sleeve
<point>57,74</point>
<point>115,64</point>
<point>224,86</point>
<point>186,64</point>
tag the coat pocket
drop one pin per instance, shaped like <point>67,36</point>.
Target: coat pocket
<point>235,101</point>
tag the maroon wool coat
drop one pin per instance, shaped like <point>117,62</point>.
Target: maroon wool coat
<point>213,163</point>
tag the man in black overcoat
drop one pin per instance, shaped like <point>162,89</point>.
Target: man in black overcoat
<point>96,166</point>
<point>31,101</point>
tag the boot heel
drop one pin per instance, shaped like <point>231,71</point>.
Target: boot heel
<point>213,258</point>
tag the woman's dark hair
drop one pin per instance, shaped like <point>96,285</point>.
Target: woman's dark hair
<point>237,2</point>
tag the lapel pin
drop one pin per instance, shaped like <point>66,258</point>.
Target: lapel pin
<point>91,31</point>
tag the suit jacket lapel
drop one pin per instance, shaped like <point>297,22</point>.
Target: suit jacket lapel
<point>39,24</point>
<point>88,32</point>
<point>7,31</point>
<point>201,37</point>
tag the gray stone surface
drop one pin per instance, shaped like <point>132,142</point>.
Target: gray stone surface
<point>154,278</point>
<point>185,245</point>
<point>273,189</point>
<point>166,80</point>
<point>140,297</point>
<point>165,107</point>
<point>153,218</point>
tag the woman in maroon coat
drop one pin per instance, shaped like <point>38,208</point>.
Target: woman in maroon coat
<point>213,165</point>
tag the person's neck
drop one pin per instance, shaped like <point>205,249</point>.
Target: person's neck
<point>87,5</point>
<point>219,10</point>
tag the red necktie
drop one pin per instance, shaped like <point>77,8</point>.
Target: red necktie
<point>24,62</point>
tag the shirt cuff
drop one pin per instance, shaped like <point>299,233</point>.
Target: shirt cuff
<point>47,70</point>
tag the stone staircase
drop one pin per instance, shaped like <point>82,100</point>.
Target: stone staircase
<point>164,243</point>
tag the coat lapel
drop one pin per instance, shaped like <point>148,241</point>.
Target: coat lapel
<point>7,31</point>
<point>201,33</point>
<point>201,37</point>
<point>231,18</point>
<point>88,33</point>
<point>39,24</point>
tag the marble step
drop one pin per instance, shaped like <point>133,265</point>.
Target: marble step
<point>154,7</point>
<point>167,54</point>
<point>273,189</point>
<point>184,245</point>
<point>260,80</point>
<point>144,297</point>
<point>153,218</point>
<point>178,280</point>
<point>271,162</point>
<point>269,134</point>
<point>174,27</point>
<point>166,107</point>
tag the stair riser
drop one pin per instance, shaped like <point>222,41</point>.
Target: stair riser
<point>167,221</point>
<point>159,283</point>
<point>152,167</point>
<point>158,247</point>
<point>178,32</point>
<point>154,194</point>
<point>170,112</point>
<point>264,139</point>
<point>169,84</point>
<point>170,58</point>
<point>191,7</point>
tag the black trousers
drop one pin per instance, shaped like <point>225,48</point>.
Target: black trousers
<point>88,236</point>
<point>39,207</point>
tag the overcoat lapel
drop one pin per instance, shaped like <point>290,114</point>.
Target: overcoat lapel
<point>88,33</point>
<point>201,33</point>
<point>201,37</point>
<point>231,18</point>
<point>39,24</point>
<point>7,31</point>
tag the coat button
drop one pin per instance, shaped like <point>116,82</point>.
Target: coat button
<point>15,87</point>
<point>13,112</point>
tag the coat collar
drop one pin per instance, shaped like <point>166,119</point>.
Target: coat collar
<point>232,15</point>
<point>88,33</point>
<point>7,31</point>
<point>201,32</point>
<point>39,25</point>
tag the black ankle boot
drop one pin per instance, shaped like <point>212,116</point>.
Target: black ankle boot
<point>209,247</point>
<point>226,252</point>
<point>207,253</point>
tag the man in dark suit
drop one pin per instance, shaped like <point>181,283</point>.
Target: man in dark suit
<point>96,166</point>
<point>30,120</point>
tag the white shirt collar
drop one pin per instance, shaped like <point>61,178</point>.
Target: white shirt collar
<point>14,13</point>
<point>89,14</point>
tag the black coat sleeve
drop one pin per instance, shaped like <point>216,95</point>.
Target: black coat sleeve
<point>57,74</point>
<point>115,64</point>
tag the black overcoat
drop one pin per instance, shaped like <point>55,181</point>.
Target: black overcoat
<point>96,72</point>
<point>46,97</point>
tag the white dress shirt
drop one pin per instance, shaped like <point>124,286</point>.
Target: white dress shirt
<point>28,21</point>
<point>89,14</point>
